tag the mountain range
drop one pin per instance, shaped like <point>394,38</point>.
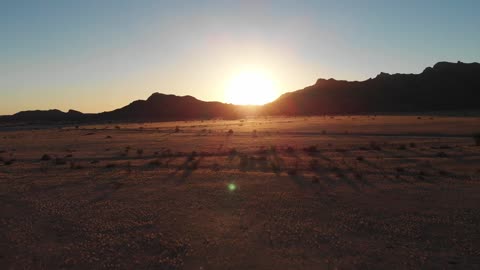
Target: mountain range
<point>443,87</point>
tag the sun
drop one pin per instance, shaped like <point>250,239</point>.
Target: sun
<point>252,87</point>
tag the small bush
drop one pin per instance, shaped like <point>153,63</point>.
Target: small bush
<point>311,149</point>
<point>273,148</point>
<point>290,150</point>
<point>402,147</point>
<point>244,161</point>
<point>75,166</point>
<point>60,161</point>
<point>441,154</point>
<point>139,152</point>
<point>9,162</point>
<point>412,145</point>
<point>110,165</point>
<point>375,146</point>
<point>215,167</point>
<point>230,132</point>
<point>360,158</point>
<point>45,157</point>
<point>292,171</point>
<point>313,164</point>
<point>177,129</point>
<point>315,180</point>
<point>155,163</point>
<point>476,138</point>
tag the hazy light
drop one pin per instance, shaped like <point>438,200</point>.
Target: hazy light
<point>232,187</point>
<point>251,87</point>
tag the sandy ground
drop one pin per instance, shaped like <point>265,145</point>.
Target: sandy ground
<point>359,192</point>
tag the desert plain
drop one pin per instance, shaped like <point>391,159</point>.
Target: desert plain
<point>325,192</point>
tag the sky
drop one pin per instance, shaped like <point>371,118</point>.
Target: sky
<point>95,56</point>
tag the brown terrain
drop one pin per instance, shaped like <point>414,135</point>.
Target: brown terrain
<point>343,192</point>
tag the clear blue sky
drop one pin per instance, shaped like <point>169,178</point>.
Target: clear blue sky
<point>99,55</point>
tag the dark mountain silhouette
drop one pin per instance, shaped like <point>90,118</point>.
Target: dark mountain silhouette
<point>443,87</point>
<point>170,107</point>
<point>446,86</point>
<point>44,116</point>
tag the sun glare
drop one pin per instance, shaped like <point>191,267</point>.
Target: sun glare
<point>251,88</point>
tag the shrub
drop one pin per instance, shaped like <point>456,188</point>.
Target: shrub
<point>273,148</point>
<point>315,180</point>
<point>244,160</point>
<point>45,157</point>
<point>311,149</point>
<point>360,158</point>
<point>230,132</point>
<point>290,150</point>
<point>476,138</point>
<point>177,129</point>
<point>139,152</point>
<point>313,164</point>
<point>413,145</point>
<point>9,162</point>
<point>75,166</point>
<point>60,161</point>
<point>155,162</point>
<point>110,165</point>
<point>375,146</point>
<point>441,154</point>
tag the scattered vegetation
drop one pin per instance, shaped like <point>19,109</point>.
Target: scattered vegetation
<point>311,149</point>
<point>45,157</point>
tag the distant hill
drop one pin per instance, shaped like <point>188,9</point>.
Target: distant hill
<point>161,107</point>
<point>443,87</point>
<point>44,116</point>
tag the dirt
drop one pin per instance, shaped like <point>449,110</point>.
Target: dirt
<point>350,192</point>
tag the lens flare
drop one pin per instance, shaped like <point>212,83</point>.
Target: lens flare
<point>232,187</point>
